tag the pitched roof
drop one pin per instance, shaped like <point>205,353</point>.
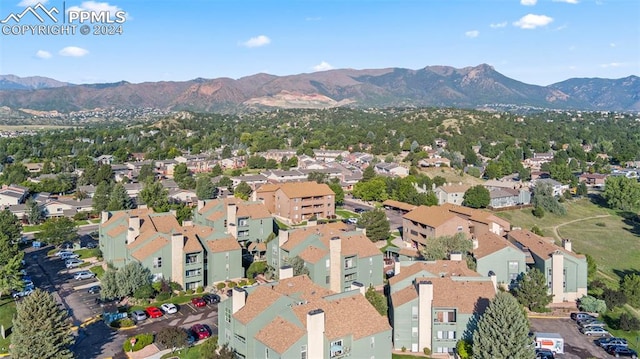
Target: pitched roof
<point>280,334</point>
<point>468,296</point>
<point>192,234</point>
<point>454,188</point>
<point>267,188</point>
<point>297,236</point>
<point>436,268</point>
<point>433,216</point>
<point>398,204</point>
<point>489,243</point>
<point>253,210</point>
<point>542,247</point>
<point>257,302</point>
<point>404,296</point>
<point>305,189</point>
<point>313,254</point>
<point>223,245</point>
<point>150,247</point>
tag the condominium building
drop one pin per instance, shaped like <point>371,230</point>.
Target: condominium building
<point>296,202</point>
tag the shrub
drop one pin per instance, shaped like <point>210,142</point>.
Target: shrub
<point>601,224</point>
<point>232,284</point>
<point>146,291</point>
<point>122,323</point>
<point>142,340</point>
<point>613,298</point>
<point>95,252</point>
<point>221,285</point>
<point>403,349</point>
<point>426,351</point>
<point>182,293</point>
<point>251,281</point>
<point>163,296</point>
<point>175,286</point>
<point>242,283</point>
<point>538,212</point>
<point>256,268</point>
<point>199,290</point>
<point>189,291</point>
<point>629,323</point>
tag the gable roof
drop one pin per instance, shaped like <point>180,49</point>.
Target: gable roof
<point>489,243</point>
<point>454,188</point>
<point>280,334</point>
<point>223,245</point>
<point>433,216</point>
<point>257,302</point>
<point>540,246</point>
<point>436,268</point>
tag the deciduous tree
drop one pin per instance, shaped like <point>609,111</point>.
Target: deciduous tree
<point>57,230</point>
<point>622,193</point>
<point>242,190</point>
<point>630,286</point>
<point>172,337</point>
<point>131,277</point>
<point>477,197</point>
<point>155,196</point>
<point>298,265</point>
<point>441,247</point>
<point>41,329</point>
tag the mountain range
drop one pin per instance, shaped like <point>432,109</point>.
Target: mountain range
<point>442,86</point>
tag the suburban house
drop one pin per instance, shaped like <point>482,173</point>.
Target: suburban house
<point>391,169</point>
<point>65,207</point>
<point>592,179</point>
<point>254,181</point>
<point>12,195</point>
<point>451,193</point>
<point>508,197</point>
<point>334,256</point>
<point>434,304</point>
<point>285,176</point>
<point>496,255</point>
<point>295,318</point>
<point>565,271</point>
<point>558,188</point>
<point>247,222</point>
<point>104,159</point>
<point>295,202</point>
<point>191,255</point>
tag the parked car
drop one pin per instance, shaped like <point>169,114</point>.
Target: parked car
<point>153,312</point>
<point>138,315</point>
<point>85,274</point>
<point>23,293</point>
<point>359,210</point>
<point>92,245</point>
<point>620,351</point>
<point>95,289</point>
<point>586,320</point>
<point>169,308</point>
<point>190,337</point>
<point>606,342</point>
<point>592,324</point>
<point>28,283</point>
<point>211,298</point>
<point>352,220</point>
<point>62,252</point>
<point>73,262</point>
<point>68,255</point>
<point>581,315</point>
<point>544,354</point>
<point>23,272</point>
<point>598,331</point>
<point>198,302</point>
<point>200,331</point>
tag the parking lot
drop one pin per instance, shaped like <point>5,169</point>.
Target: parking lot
<point>576,345</point>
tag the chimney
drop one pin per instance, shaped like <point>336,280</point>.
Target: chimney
<point>104,217</point>
<point>455,256</point>
<point>312,223</point>
<point>494,279</point>
<point>364,231</point>
<point>283,237</point>
<point>239,299</point>
<point>177,250</point>
<point>134,229</point>
<point>173,212</point>
<point>396,267</point>
<point>232,229</point>
<point>285,272</point>
<point>201,204</point>
<point>358,286</point>
<point>315,334</point>
<point>187,223</point>
<point>335,270</point>
<point>425,314</point>
<point>475,242</point>
<point>566,243</point>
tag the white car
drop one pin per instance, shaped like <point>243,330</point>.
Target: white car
<point>62,253</point>
<point>85,274</point>
<point>68,256</point>
<point>73,262</point>
<point>169,308</point>
<point>27,291</point>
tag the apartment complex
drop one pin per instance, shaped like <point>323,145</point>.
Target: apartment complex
<point>295,202</point>
<point>296,318</point>
<point>496,255</point>
<point>565,271</point>
<point>434,304</point>
<point>189,254</point>
<point>334,256</point>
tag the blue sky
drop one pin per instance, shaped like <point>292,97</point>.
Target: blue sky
<point>537,42</point>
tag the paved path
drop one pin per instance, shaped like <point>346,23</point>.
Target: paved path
<point>555,228</point>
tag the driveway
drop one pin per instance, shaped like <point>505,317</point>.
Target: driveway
<point>576,345</point>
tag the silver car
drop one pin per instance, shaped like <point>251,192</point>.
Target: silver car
<point>138,315</point>
<point>85,274</point>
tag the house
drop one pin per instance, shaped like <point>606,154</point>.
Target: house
<point>12,195</point>
<point>104,159</point>
<point>295,202</point>
<point>564,270</point>
<point>65,207</point>
<point>295,318</point>
<point>558,188</point>
<point>254,181</point>
<point>435,162</point>
<point>593,179</point>
<point>285,176</point>
<point>391,169</point>
<point>433,304</point>
<point>34,167</point>
<point>329,155</point>
<point>509,197</point>
<point>495,254</point>
<point>185,196</point>
<point>334,256</point>
<point>451,193</point>
<point>189,254</point>
<point>247,222</point>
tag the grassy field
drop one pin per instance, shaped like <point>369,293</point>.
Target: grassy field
<point>7,310</point>
<point>594,230</point>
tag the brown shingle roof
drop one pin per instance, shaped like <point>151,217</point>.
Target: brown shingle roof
<point>542,247</point>
<point>410,252</point>
<point>433,216</point>
<point>356,244</point>
<point>466,295</point>
<point>280,335</point>
<point>305,189</point>
<point>397,204</point>
<point>301,287</point>
<point>297,236</point>
<point>313,254</point>
<point>253,210</point>
<point>489,243</point>
<point>267,188</point>
<point>455,188</point>
<point>192,234</point>
<point>150,247</point>
<point>437,268</point>
<point>117,230</point>
<point>404,295</point>
<point>223,245</point>
<point>259,301</point>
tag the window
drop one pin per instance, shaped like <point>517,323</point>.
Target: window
<point>414,332</point>
<point>370,260</point>
<point>349,263</point>
<point>373,342</point>
<point>303,352</point>
<point>459,228</point>
<point>193,272</point>
<point>448,316</point>
<point>227,315</point>
<point>240,338</point>
<point>335,348</point>
<point>266,353</point>
<point>327,263</point>
<point>243,222</point>
<point>446,334</point>
<point>192,258</point>
<point>414,313</point>
<point>157,262</point>
<point>328,279</point>
<point>513,266</point>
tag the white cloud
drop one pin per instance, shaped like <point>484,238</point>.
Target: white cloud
<point>531,21</point>
<point>41,54</point>
<point>567,1</point>
<point>257,41</point>
<point>323,66</point>
<point>97,7</point>
<point>26,3</point>
<point>471,34</point>
<point>612,64</point>
<point>498,25</point>
<point>528,2</point>
<point>73,51</point>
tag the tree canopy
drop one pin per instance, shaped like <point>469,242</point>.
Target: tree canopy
<point>477,197</point>
<point>57,230</point>
<point>376,224</point>
<point>531,290</point>
<point>622,193</point>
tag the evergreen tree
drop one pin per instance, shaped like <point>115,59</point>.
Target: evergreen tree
<point>503,331</point>
<point>131,277</point>
<point>205,189</point>
<point>109,285</point>
<point>146,173</point>
<point>376,224</point>
<point>10,277</point>
<point>368,174</point>
<point>101,197</point>
<point>477,197</point>
<point>531,290</point>
<point>34,212</point>
<point>41,329</point>
<point>119,199</point>
<point>10,225</point>
<point>378,300</point>
<point>242,190</point>
<point>155,196</point>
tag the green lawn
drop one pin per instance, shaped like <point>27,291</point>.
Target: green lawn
<point>594,230</point>
<point>346,214</point>
<point>632,337</point>
<point>7,310</point>
<point>98,270</point>
<point>180,299</point>
<point>194,352</point>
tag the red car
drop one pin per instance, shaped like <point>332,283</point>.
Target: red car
<point>153,312</point>
<point>198,302</point>
<point>200,331</point>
